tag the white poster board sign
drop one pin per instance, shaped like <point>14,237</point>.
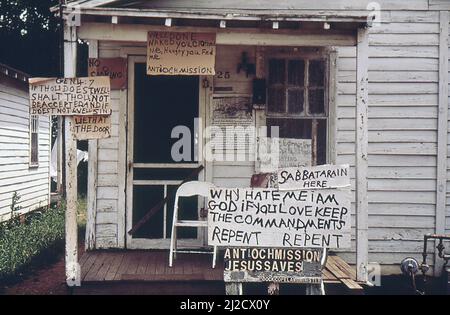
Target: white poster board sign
<point>276,153</point>
<point>258,217</point>
<point>315,177</point>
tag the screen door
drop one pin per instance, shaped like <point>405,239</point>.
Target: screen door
<point>157,105</point>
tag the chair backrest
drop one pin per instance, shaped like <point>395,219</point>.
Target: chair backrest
<point>194,188</point>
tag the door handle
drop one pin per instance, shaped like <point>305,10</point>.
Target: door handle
<point>130,166</point>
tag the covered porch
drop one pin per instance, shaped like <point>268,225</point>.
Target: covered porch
<point>126,31</point>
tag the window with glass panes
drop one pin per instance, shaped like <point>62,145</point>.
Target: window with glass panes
<point>34,140</point>
<point>297,101</point>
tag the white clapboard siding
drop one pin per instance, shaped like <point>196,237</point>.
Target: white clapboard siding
<point>31,184</point>
<point>447,213</point>
<point>403,109</point>
<point>107,169</point>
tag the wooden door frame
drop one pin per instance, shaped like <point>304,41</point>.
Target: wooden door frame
<point>142,243</point>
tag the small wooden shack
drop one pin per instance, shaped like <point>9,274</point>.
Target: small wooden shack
<point>367,82</point>
<point>25,142</point>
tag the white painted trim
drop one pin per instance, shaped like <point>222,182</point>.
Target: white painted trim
<point>441,182</point>
<point>237,15</point>
<point>362,136</point>
<point>142,182</point>
<point>92,176</point>
<point>122,168</point>
<point>136,243</point>
<point>166,165</point>
<point>73,270</point>
<point>138,33</point>
<point>332,108</point>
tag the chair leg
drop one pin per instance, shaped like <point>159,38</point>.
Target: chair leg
<point>171,251</point>
<point>214,257</point>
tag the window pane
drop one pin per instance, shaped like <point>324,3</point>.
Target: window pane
<point>276,71</point>
<point>277,100</point>
<point>316,73</point>
<point>296,72</point>
<point>296,100</point>
<point>316,101</point>
<point>34,148</point>
<point>322,142</point>
<point>291,128</point>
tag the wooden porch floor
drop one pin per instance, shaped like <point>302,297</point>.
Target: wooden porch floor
<point>147,266</point>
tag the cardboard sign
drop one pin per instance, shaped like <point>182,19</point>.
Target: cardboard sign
<point>115,68</point>
<point>258,217</point>
<point>181,53</point>
<point>276,153</point>
<point>273,265</point>
<point>91,127</point>
<point>70,96</point>
<point>322,176</point>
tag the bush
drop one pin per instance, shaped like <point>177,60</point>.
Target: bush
<point>21,242</point>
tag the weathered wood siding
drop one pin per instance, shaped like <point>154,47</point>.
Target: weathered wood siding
<point>447,213</point>
<point>403,106</point>
<point>31,184</point>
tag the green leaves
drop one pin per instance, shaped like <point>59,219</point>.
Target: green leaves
<point>19,243</point>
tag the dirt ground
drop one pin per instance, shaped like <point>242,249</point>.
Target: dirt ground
<point>48,278</point>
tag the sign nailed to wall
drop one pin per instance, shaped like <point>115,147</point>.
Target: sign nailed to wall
<point>181,53</point>
<point>91,127</point>
<point>115,68</point>
<point>322,176</point>
<point>70,96</point>
<point>273,265</point>
<point>258,217</point>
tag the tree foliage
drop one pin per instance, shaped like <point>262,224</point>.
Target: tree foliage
<point>29,34</point>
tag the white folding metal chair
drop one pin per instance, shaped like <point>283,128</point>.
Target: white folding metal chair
<point>194,188</point>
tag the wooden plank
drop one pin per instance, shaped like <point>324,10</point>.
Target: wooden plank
<point>138,33</point>
<point>73,273</point>
<point>123,266</point>
<point>442,133</point>
<point>142,265</point>
<point>115,265</point>
<point>362,104</point>
<point>87,265</point>
<point>92,175</point>
<point>98,263</point>
<point>101,274</point>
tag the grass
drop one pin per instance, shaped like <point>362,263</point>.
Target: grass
<point>26,245</point>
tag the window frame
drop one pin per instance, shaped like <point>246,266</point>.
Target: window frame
<point>34,122</point>
<point>329,55</point>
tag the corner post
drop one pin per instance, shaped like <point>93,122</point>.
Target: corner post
<point>73,272</point>
<point>361,121</point>
<point>441,183</point>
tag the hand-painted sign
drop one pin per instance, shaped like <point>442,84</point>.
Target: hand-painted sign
<point>91,127</point>
<point>276,153</point>
<point>316,177</point>
<point>70,96</point>
<point>258,217</point>
<point>114,68</point>
<point>273,265</point>
<point>181,53</point>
